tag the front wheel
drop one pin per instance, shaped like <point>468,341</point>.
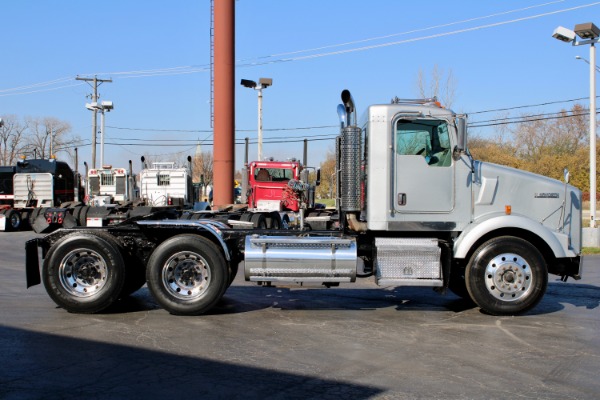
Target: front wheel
<point>506,276</point>
<point>187,274</point>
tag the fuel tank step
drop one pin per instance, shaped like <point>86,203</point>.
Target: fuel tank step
<point>408,262</point>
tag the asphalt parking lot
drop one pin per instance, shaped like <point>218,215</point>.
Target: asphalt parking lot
<point>352,342</point>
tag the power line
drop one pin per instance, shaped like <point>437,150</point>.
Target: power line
<point>210,130</point>
<point>530,105</point>
<point>244,62</point>
<point>527,116</point>
<point>400,33</point>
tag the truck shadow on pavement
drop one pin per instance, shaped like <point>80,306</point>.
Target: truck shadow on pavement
<point>243,299</point>
<point>48,366</point>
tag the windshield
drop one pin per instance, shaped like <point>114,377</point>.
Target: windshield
<point>273,174</point>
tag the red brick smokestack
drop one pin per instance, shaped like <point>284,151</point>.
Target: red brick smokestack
<point>224,102</point>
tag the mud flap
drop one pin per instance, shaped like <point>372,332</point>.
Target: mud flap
<point>40,225</point>
<point>32,264</point>
<point>69,221</point>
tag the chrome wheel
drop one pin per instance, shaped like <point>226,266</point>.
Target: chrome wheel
<point>508,277</point>
<point>186,275</point>
<point>83,272</point>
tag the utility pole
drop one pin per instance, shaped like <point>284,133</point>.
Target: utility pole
<point>96,82</point>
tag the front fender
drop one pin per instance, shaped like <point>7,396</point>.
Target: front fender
<point>557,241</point>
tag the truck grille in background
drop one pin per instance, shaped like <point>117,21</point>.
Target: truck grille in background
<point>120,185</point>
<point>350,150</point>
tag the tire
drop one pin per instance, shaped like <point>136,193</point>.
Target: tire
<point>259,221</point>
<point>13,220</point>
<point>76,214</point>
<point>273,220</point>
<point>83,215</point>
<point>135,272</point>
<point>506,276</point>
<point>246,217</point>
<point>187,275</point>
<point>84,273</point>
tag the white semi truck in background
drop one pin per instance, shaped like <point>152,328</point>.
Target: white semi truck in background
<point>413,209</point>
<point>165,184</point>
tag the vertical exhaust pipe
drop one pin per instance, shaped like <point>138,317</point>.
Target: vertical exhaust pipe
<point>245,173</point>
<point>130,183</point>
<point>305,159</point>
<point>350,165</point>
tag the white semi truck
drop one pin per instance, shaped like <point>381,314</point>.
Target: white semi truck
<point>165,184</point>
<point>414,209</point>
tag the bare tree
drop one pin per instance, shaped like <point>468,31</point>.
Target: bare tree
<point>542,145</point>
<point>202,165</point>
<point>12,140</point>
<point>46,136</point>
<point>559,136</point>
<point>441,85</point>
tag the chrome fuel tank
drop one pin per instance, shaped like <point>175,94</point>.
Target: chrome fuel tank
<point>300,259</point>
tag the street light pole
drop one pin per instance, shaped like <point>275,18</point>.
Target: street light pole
<point>103,107</point>
<point>260,132</point>
<point>592,135</point>
<point>590,34</point>
<point>101,138</point>
<point>263,83</point>
<point>585,60</point>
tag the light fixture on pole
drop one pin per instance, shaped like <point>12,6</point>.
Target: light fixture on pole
<point>585,59</point>
<point>589,33</point>
<point>263,83</point>
<point>103,107</point>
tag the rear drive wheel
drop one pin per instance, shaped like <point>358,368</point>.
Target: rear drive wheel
<point>273,220</point>
<point>83,273</point>
<point>187,275</point>
<point>259,221</point>
<point>506,276</point>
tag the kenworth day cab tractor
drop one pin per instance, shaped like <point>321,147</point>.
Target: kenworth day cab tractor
<point>414,209</point>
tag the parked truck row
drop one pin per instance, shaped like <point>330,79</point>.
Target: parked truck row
<point>413,209</point>
<point>45,195</point>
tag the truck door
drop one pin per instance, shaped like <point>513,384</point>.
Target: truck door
<point>423,167</point>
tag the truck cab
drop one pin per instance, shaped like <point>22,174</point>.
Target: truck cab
<point>267,182</point>
<point>107,185</point>
<point>419,180</point>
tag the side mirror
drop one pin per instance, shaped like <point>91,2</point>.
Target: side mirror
<point>461,131</point>
<point>318,181</point>
<point>461,136</point>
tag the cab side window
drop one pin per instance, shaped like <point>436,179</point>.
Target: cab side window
<point>428,138</point>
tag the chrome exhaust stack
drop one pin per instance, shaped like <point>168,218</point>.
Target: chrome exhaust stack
<point>349,157</point>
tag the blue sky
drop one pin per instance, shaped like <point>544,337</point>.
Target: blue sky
<point>501,54</point>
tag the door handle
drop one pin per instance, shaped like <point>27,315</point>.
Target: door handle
<point>401,199</point>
